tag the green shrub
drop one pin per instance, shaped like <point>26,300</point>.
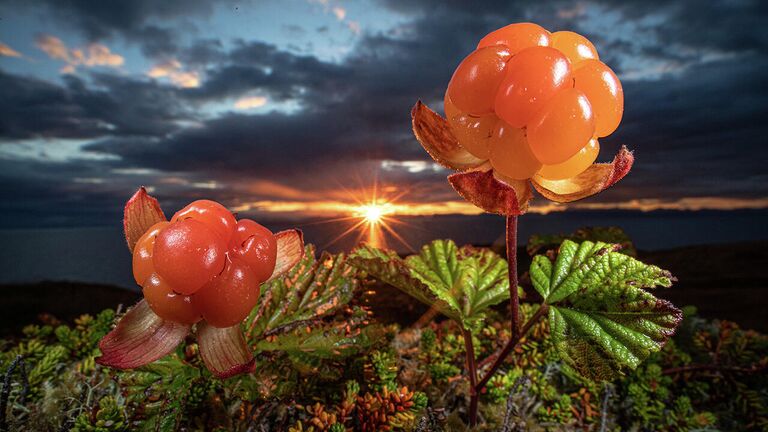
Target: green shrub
<point>340,371</point>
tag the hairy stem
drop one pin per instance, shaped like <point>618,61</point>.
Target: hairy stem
<point>514,308</point>
<point>514,300</point>
<point>472,372</point>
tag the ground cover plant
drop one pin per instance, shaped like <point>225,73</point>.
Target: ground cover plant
<point>323,362</point>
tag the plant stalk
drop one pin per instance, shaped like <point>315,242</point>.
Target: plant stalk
<point>514,308</point>
<point>514,300</point>
<point>472,372</point>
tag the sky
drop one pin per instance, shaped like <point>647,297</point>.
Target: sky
<point>296,108</point>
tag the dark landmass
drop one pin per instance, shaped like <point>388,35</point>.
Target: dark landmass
<point>727,281</point>
<point>723,281</point>
<point>24,304</point>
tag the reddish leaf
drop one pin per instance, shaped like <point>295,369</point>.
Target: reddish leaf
<point>141,212</point>
<point>224,350</point>
<point>290,250</point>
<point>484,190</point>
<point>435,135</point>
<point>140,337</point>
<point>595,179</point>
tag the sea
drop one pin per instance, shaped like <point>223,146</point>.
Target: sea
<point>99,254</point>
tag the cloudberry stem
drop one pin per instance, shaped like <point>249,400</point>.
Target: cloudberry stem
<point>472,372</point>
<point>514,307</point>
<point>514,300</point>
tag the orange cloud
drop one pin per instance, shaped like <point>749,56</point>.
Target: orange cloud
<point>100,55</point>
<point>7,51</point>
<point>250,102</point>
<point>68,69</point>
<point>53,46</point>
<point>325,207</point>
<point>338,208</point>
<point>94,54</point>
<point>340,13</point>
<point>175,72</point>
<point>682,204</point>
<point>272,189</point>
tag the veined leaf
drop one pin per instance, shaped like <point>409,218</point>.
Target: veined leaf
<point>314,288</point>
<point>540,243</point>
<point>601,318</point>
<point>322,342</point>
<point>462,283</point>
<point>485,279</point>
<point>389,268</point>
<point>541,273</point>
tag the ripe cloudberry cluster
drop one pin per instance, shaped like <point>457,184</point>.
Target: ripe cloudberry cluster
<point>534,102</point>
<point>204,264</point>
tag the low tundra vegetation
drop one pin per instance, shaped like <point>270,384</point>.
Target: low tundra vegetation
<point>596,351</point>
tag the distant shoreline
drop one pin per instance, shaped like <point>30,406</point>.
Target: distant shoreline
<point>98,255</point>
<point>727,281</point>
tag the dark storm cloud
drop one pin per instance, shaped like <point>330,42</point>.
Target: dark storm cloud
<point>131,19</point>
<point>697,126</point>
<point>698,133</point>
<point>679,30</point>
<point>260,66</point>
<point>725,25</point>
<point>103,19</point>
<point>203,52</point>
<point>156,41</point>
<point>291,149</point>
<point>32,108</point>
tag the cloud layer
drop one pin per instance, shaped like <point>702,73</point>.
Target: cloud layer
<point>245,121</point>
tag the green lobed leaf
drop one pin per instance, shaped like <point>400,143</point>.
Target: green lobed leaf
<point>541,274</point>
<point>485,281</point>
<point>323,342</point>
<point>601,319</point>
<point>386,266</point>
<point>314,288</point>
<point>307,314</point>
<point>540,243</point>
<point>462,283</point>
<point>159,391</point>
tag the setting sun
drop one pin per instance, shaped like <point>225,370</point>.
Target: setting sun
<point>373,218</point>
<point>373,214</point>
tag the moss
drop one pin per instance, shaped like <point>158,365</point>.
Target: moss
<point>707,377</point>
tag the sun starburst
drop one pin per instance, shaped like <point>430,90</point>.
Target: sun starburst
<point>372,213</point>
<point>376,217</point>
